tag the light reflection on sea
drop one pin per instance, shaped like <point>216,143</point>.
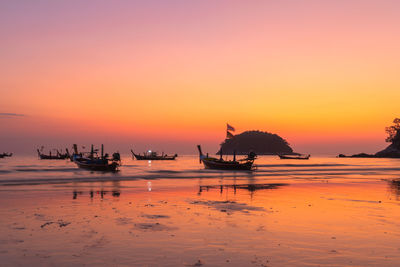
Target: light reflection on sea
<point>322,211</point>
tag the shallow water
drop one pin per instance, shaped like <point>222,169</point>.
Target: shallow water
<point>322,211</point>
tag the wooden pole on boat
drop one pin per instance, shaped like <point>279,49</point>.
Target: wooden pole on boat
<point>234,155</point>
<point>102,151</point>
<point>91,152</point>
<point>220,158</point>
<point>75,149</point>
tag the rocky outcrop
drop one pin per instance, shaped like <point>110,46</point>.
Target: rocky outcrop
<point>360,155</point>
<point>262,143</point>
<point>392,151</point>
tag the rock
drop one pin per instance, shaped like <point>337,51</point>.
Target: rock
<point>362,155</point>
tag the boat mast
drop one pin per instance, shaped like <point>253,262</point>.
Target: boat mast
<point>75,149</point>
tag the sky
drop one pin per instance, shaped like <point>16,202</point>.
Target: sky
<point>167,75</point>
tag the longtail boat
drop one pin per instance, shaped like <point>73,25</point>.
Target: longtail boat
<point>151,155</point>
<point>57,155</point>
<point>97,163</point>
<point>221,164</point>
<point>294,156</point>
<point>4,155</point>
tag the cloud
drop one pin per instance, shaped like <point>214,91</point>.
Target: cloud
<point>10,115</point>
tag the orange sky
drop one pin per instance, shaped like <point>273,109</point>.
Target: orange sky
<point>170,74</point>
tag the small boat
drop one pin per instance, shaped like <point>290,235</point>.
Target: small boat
<point>294,156</point>
<point>97,163</point>
<point>57,155</point>
<point>5,155</point>
<point>151,155</point>
<point>221,164</point>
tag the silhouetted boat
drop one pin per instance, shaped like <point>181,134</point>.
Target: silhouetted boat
<point>58,155</point>
<point>294,156</point>
<point>153,156</point>
<point>5,155</point>
<point>221,164</point>
<point>97,163</point>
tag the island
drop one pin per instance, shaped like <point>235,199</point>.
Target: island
<point>391,151</point>
<point>261,143</point>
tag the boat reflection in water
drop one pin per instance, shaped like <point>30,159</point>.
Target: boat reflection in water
<point>249,187</point>
<point>103,189</point>
<point>394,187</point>
<point>92,193</point>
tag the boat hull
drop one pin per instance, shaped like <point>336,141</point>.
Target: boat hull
<point>52,157</point>
<point>139,157</point>
<point>107,167</point>
<point>225,165</point>
<point>294,157</point>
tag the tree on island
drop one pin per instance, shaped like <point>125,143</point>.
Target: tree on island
<point>393,132</point>
<point>393,150</point>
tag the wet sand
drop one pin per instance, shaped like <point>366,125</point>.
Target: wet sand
<point>231,220</point>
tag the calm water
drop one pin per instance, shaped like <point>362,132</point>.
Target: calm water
<point>322,211</point>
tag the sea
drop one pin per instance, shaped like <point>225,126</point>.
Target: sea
<point>325,211</point>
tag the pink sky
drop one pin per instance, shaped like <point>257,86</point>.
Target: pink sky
<point>169,74</point>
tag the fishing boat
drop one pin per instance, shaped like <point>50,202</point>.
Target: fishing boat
<point>151,155</point>
<point>97,163</point>
<point>221,164</point>
<point>5,155</point>
<point>294,156</point>
<point>57,155</point>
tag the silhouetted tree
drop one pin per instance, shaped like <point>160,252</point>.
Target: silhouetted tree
<point>393,131</point>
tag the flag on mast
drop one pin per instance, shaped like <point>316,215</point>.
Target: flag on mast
<point>229,135</point>
<point>230,128</point>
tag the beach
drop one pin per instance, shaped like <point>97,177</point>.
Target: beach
<point>320,212</point>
